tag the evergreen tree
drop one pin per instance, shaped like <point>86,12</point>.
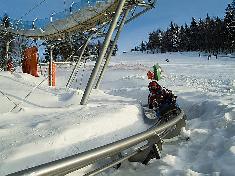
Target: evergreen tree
<point>155,40</point>
<point>6,39</point>
<point>142,47</point>
<point>219,35</point>
<point>194,35</point>
<point>166,41</point>
<point>229,21</point>
<point>201,35</point>
<point>175,37</point>
<point>183,39</point>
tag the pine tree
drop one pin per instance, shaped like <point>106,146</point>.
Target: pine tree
<point>219,35</point>
<point>6,39</point>
<point>166,41</point>
<point>201,35</point>
<point>229,21</point>
<point>194,35</point>
<point>183,39</point>
<point>155,41</point>
<point>175,37</point>
<point>142,47</point>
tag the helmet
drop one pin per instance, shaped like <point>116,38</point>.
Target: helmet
<point>154,85</point>
<point>150,75</point>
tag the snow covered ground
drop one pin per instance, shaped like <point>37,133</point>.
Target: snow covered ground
<point>52,124</point>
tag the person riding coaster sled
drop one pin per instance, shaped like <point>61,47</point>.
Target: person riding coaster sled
<point>161,99</point>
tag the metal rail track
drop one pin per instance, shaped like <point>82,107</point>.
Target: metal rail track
<point>75,162</point>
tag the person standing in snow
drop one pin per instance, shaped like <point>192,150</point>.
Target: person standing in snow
<point>209,57</point>
<point>157,72</point>
<point>216,56</point>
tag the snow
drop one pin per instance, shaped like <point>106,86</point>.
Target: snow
<point>52,124</point>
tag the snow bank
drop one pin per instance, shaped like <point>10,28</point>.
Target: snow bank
<point>205,91</point>
<point>52,124</point>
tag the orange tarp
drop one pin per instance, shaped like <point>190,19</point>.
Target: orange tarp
<point>30,61</point>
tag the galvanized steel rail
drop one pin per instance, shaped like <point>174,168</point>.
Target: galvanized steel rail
<point>78,161</point>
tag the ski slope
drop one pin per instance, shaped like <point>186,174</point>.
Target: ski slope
<point>52,124</point>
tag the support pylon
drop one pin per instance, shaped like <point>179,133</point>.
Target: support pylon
<point>111,49</point>
<point>79,59</point>
<point>50,67</point>
<point>103,51</point>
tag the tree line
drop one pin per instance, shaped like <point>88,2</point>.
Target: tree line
<point>212,35</point>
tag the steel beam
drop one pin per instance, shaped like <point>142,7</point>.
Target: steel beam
<point>79,59</point>
<point>138,15</point>
<point>103,51</point>
<point>51,62</point>
<point>118,161</point>
<point>111,48</point>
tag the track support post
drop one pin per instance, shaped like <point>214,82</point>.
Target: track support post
<point>50,66</point>
<point>111,48</point>
<point>79,60</point>
<point>103,51</point>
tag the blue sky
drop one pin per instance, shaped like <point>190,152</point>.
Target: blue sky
<point>178,11</point>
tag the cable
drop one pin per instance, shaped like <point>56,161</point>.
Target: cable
<point>33,8</point>
<point>8,98</point>
<point>82,75</point>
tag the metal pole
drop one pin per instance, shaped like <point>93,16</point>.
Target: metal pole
<point>99,170</point>
<point>138,15</point>
<point>79,59</point>
<point>51,62</point>
<point>112,47</point>
<point>103,51</point>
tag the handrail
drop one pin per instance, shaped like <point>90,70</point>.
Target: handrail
<point>69,164</point>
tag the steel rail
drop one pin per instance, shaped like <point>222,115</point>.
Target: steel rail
<point>130,19</point>
<point>69,164</point>
<point>79,59</point>
<point>123,158</point>
<point>106,43</point>
<point>109,53</point>
<point>81,26</point>
<point>138,14</point>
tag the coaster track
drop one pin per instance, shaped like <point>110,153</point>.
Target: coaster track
<point>81,20</point>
